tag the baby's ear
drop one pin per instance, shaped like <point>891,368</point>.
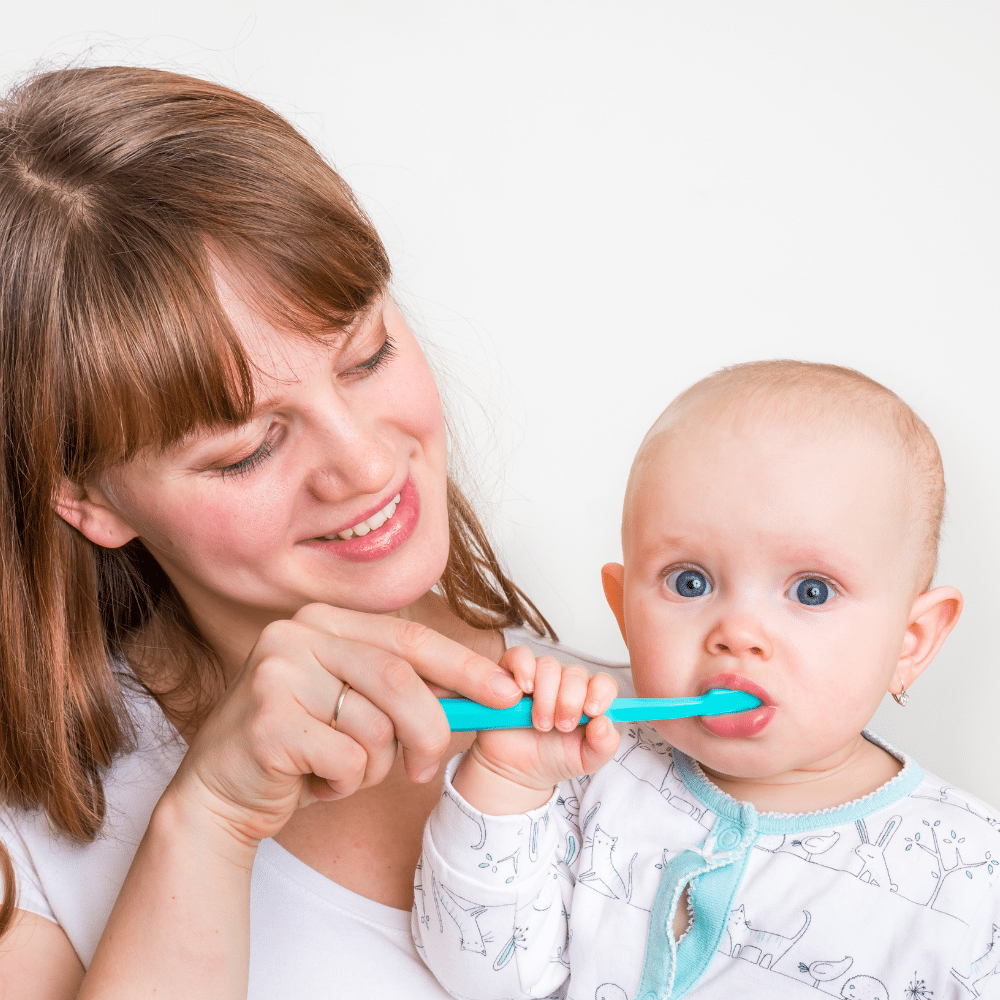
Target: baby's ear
<point>613,578</point>
<point>933,615</point>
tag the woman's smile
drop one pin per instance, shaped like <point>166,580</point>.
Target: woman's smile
<point>377,535</point>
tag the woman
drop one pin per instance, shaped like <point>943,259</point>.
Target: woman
<point>235,573</point>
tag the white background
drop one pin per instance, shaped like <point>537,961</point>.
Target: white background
<point>591,205</point>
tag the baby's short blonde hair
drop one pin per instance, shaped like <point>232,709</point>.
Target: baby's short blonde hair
<point>842,398</point>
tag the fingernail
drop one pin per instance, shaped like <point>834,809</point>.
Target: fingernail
<point>427,773</point>
<point>504,686</point>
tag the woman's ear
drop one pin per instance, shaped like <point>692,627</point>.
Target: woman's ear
<point>88,511</point>
<point>933,615</point>
<point>613,578</point>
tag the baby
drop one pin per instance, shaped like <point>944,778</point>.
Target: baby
<point>780,535</point>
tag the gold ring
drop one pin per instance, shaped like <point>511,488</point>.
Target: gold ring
<point>340,703</point>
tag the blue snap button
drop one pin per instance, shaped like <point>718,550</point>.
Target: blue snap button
<point>728,838</point>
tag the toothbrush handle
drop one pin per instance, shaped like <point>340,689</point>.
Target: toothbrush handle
<point>466,716</point>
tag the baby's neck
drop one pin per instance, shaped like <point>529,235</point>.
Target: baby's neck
<point>860,768</point>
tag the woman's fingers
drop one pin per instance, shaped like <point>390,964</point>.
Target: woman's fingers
<point>372,729</point>
<point>296,664</point>
<point>436,659</point>
<point>406,711</point>
<point>335,762</point>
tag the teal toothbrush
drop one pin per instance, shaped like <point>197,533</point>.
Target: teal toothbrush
<point>465,716</point>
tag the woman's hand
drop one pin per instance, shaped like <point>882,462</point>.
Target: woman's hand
<point>270,746</point>
<point>509,771</point>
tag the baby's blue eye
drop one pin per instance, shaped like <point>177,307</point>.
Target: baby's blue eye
<point>812,592</point>
<point>689,583</point>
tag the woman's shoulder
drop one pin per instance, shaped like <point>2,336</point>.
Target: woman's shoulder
<point>541,646</point>
<point>75,883</point>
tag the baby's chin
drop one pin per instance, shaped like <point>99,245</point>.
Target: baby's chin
<point>753,758</point>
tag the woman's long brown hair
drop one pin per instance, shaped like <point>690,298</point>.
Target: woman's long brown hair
<point>118,189</point>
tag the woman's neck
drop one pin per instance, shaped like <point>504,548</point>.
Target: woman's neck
<point>432,610</point>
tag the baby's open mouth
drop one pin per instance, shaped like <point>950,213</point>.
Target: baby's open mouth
<point>368,524</point>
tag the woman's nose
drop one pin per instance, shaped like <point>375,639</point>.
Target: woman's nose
<point>351,458</point>
<point>740,634</point>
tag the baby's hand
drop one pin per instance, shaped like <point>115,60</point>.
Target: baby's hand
<point>509,771</point>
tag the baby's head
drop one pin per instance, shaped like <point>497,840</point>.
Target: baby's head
<point>780,534</point>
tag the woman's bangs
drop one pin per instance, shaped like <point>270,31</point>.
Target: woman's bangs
<point>152,355</point>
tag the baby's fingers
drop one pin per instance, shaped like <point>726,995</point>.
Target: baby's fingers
<point>600,743</point>
<point>548,678</point>
<point>572,694</point>
<point>601,691</point>
<point>520,661</point>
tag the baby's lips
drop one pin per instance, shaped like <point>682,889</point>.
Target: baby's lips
<point>736,682</point>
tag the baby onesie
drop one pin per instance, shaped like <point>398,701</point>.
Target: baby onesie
<point>893,895</point>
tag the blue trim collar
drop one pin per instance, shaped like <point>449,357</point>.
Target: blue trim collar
<point>712,797</point>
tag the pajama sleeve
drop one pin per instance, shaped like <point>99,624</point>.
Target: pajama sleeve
<point>492,897</point>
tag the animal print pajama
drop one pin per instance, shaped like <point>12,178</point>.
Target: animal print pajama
<point>894,895</point>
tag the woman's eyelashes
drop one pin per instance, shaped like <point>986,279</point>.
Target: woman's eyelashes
<point>688,582</point>
<point>252,461</point>
<point>377,361</point>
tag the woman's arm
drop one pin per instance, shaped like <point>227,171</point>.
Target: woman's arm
<point>37,961</point>
<point>180,925</point>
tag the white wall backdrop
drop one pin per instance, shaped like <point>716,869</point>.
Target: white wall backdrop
<point>591,205</point>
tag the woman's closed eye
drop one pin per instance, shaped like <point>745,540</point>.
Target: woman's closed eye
<point>376,362</point>
<point>254,460</point>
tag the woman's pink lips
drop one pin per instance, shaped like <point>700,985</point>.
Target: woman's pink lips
<point>364,517</point>
<point>382,541</point>
<point>739,724</point>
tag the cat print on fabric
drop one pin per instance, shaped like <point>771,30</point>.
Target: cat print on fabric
<point>982,968</point>
<point>762,948</point>
<point>599,872</point>
<point>466,914</point>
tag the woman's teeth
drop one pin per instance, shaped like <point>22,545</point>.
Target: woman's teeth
<point>369,523</point>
